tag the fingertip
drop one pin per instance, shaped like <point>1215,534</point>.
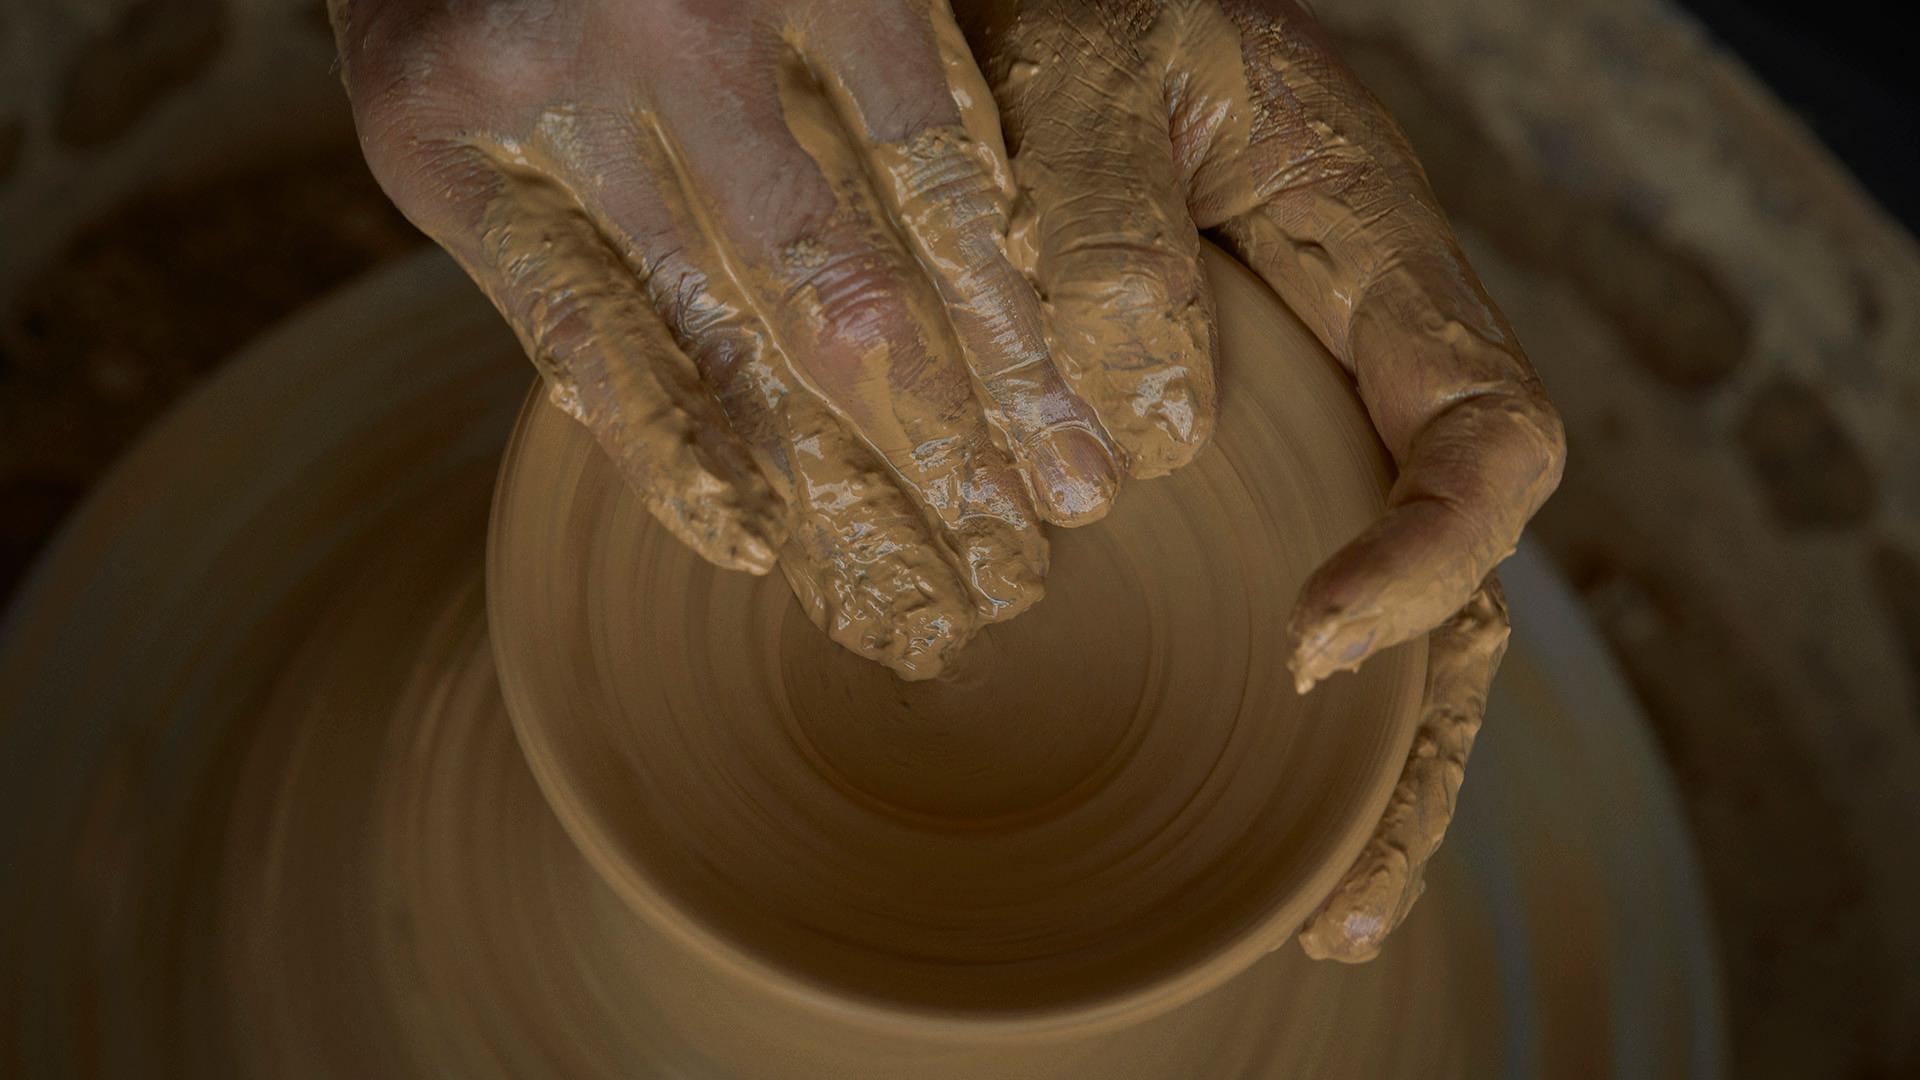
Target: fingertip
<point>751,550</point>
<point>1006,571</point>
<point>1074,478</point>
<point>1303,681</point>
<point>762,530</point>
<point>927,640</point>
<point>1407,574</point>
<point>704,489</point>
<point>1163,428</point>
<point>1005,588</point>
<point>725,533</point>
<point>1335,645</point>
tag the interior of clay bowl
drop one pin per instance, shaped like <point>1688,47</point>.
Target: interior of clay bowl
<point>1115,802</point>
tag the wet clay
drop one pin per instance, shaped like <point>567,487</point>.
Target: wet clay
<point>837,425</point>
<point>941,344</point>
<point>874,570</point>
<point>869,385</point>
<point>1279,151</point>
<point>1107,806</point>
<point>280,824</point>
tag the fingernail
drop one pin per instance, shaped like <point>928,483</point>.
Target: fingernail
<point>929,639</point>
<point>729,535</point>
<point>1176,428</point>
<point>1073,477</point>
<point>1340,647</point>
<point>759,528</point>
<point>753,552</point>
<point>733,546</point>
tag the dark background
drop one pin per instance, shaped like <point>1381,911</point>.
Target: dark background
<point>1850,70</point>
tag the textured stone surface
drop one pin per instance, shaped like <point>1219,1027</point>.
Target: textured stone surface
<point>142,304</point>
<point>153,48</point>
<point>1680,320</point>
<point>1804,460</point>
<point>1896,578</point>
<point>32,505</point>
<point>314,14</point>
<point>12,134</point>
<point>1762,825</point>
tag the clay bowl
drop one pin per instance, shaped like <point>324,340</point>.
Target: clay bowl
<point>1114,804</point>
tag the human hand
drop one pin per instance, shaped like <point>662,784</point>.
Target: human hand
<point>759,250</point>
<point>651,216</point>
<point>1134,124</point>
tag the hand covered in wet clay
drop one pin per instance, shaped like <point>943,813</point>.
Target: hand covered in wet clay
<point>759,249</point>
<point>1133,124</point>
<point>778,258</point>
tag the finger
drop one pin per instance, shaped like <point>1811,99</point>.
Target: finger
<point>1473,477</point>
<point>861,564</point>
<point>1313,186</point>
<point>605,355</point>
<point>847,303</point>
<point>932,139</point>
<point>1377,892</point>
<point>1116,252</point>
<point>861,557</point>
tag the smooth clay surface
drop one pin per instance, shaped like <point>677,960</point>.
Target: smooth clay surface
<point>1109,805</point>
<point>264,814</point>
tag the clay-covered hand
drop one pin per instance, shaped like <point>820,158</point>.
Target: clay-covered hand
<point>1134,123</point>
<point>1379,889</point>
<point>759,249</point>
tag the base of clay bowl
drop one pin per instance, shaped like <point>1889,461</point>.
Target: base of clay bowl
<point>1113,804</point>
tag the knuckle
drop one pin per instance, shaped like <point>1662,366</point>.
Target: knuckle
<point>1493,598</point>
<point>790,204</point>
<point>1554,436</point>
<point>855,297</point>
<point>1538,423</point>
<point>1142,291</point>
<point>679,21</point>
<point>916,115</point>
<point>679,293</point>
<point>941,166</point>
<point>416,60</point>
<point>561,324</point>
<point>716,336</point>
<point>1512,413</point>
<point>442,185</point>
<point>563,319</point>
<point>1132,276</point>
<point>509,50</point>
<point>559,329</point>
<point>390,55</point>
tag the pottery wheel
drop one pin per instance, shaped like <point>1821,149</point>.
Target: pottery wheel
<point>264,811</point>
